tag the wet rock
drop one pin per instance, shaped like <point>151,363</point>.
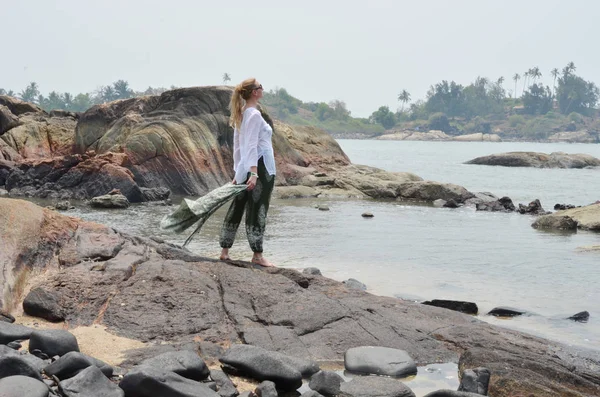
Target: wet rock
<point>312,271</point>
<point>505,312</point>
<point>63,205</point>
<point>326,383</point>
<point>451,204</point>
<point>554,222</point>
<point>90,382</point>
<point>379,361</point>
<point>503,204</point>
<point>261,364</point>
<point>562,207</point>
<point>375,386</point>
<point>225,386</point>
<point>6,317</point>
<point>538,160</point>
<point>43,304</point>
<point>110,201</point>
<point>155,193</point>
<point>11,332</point>
<point>72,363</point>
<point>430,191</point>
<point>475,381</point>
<point>53,342</point>
<point>11,365</point>
<point>266,389</point>
<point>15,345</point>
<point>481,197</point>
<point>355,284</point>
<point>367,215</point>
<point>459,306</point>
<point>185,363</point>
<point>323,207</point>
<point>145,381</point>
<point>22,386</point>
<point>533,208</point>
<point>581,317</point>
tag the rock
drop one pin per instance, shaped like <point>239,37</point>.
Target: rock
<point>451,204</point>
<point>155,194</point>
<point>311,393</point>
<point>11,332</point>
<point>555,222</point>
<point>451,393</point>
<point>367,215</point>
<point>63,205</point>
<point>19,107</point>
<point>322,207</point>
<point>72,363</point>
<point>562,207</point>
<point>581,317</point>
<point>475,381</point>
<point>53,342</point>
<point>211,385</point>
<point>11,365</point>
<point>35,362</point>
<point>22,386</point>
<point>355,284</point>
<point>505,312</point>
<point>478,137</point>
<point>110,201</point>
<point>481,197</point>
<point>261,364</point>
<point>375,386</point>
<point>7,119</point>
<point>225,386</point>
<point>439,203</point>
<point>145,381</point>
<point>287,192</point>
<point>185,363</point>
<point>266,389</point>
<point>14,345</point>
<point>248,393</point>
<point>312,271</point>
<point>582,136</point>
<point>459,306</point>
<point>533,208</point>
<point>587,218</point>
<point>430,191</point>
<point>379,361</point>
<point>504,204</point>
<point>90,382</point>
<point>2,191</point>
<point>538,160</point>
<point>326,383</point>
<point>6,317</point>
<point>372,182</point>
<point>43,304</point>
<point>409,135</point>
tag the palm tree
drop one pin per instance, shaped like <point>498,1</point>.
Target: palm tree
<point>122,90</point>
<point>500,81</point>
<point>535,73</point>
<point>516,78</point>
<point>404,97</point>
<point>30,93</point>
<point>226,78</point>
<point>554,73</point>
<point>525,76</point>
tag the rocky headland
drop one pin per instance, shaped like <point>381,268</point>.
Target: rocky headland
<point>171,299</point>
<point>538,160</point>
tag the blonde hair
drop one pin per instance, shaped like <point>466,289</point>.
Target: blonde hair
<point>240,95</point>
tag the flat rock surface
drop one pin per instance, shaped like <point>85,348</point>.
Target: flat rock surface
<point>587,218</point>
<point>376,360</point>
<point>538,160</point>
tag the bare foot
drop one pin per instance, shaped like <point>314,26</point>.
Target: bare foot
<point>262,261</point>
<point>224,258</point>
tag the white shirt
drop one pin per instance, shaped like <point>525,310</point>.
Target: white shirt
<point>250,143</point>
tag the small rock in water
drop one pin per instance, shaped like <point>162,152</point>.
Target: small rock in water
<point>367,215</point>
<point>355,284</point>
<point>63,205</point>
<point>439,203</point>
<point>323,208</point>
<point>312,271</point>
<point>459,306</point>
<point>506,312</point>
<point>451,204</point>
<point>581,317</point>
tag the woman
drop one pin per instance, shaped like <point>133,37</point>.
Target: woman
<point>254,165</point>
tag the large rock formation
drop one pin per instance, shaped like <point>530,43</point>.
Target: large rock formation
<point>586,218</point>
<point>151,290</point>
<point>538,160</point>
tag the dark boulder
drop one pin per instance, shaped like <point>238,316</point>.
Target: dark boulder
<point>22,386</point>
<point>451,204</point>
<point>11,365</point>
<point>379,361</point>
<point>11,332</point>
<point>533,208</point>
<point>6,317</point>
<point>7,119</point>
<point>505,312</point>
<point>581,317</point>
<point>326,383</point>
<point>355,284</point>
<point>225,386</point>
<point>155,193</point>
<point>503,204</point>
<point>72,363</point>
<point>562,207</point>
<point>475,381</point>
<point>375,386</point>
<point>458,306</point>
<point>43,304</point>
<point>90,382</point>
<point>53,342</point>
<point>185,363</point>
<point>266,389</point>
<point>145,381</point>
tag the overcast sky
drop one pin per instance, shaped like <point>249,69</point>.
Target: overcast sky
<point>361,52</point>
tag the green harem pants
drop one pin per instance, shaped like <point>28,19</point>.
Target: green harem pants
<point>256,204</point>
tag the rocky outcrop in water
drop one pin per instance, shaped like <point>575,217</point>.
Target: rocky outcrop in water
<point>151,290</point>
<point>538,160</point>
<point>585,218</point>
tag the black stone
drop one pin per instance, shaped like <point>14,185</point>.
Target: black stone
<point>6,317</point>
<point>581,317</point>
<point>72,363</point>
<point>377,360</point>
<point>34,361</point>
<point>90,382</point>
<point>458,306</point>
<point>326,383</point>
<point>451,204</point>
<point>355,284</point>
<point>15,365</point>
<point>505,312</point>
<point>375,386</point>
<point>155,193</point>
<point>266,389</point>
<point>261,364</point>
<point>562,207</point>
<point>43,304</point>
<point>533,208</point>
<point>22,386</point>
<point>53,342</point>
<point>475,381</point>
<point>185,363</point>
<point>225,386</point>
<point>12,332</point>
<point>145,381</point>
<point>15,345</point>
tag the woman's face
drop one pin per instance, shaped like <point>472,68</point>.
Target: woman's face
<point>258,91</point>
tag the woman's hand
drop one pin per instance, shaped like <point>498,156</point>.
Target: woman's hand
<point>251,182</point>
<point>234,181</point>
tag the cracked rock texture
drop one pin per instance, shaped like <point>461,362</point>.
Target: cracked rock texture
<point>151,290</point>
